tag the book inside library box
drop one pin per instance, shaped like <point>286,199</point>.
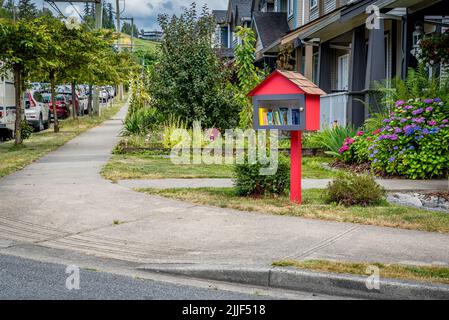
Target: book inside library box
<point>279,113</point>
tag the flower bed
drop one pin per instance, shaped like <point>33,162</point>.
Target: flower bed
<point>414,142</point>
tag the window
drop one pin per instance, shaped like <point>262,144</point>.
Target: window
<point>343,73</point>
<point>313,4</point>
<point>281,5</point>
<point>290,7</point>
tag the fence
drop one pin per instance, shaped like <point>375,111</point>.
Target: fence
<point>334,109</point>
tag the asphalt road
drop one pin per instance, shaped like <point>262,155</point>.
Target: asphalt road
<point>28,279</point>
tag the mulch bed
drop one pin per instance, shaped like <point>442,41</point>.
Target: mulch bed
<point>441,195</point>
<point>364,168</point>
<point>356,168</point>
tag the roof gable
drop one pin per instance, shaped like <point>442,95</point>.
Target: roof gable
<point>286,82</point>
<point>270,26</point>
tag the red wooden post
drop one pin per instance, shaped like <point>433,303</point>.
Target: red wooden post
<point>295,166</point>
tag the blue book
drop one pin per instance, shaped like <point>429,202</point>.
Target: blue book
<point>270,118</point>
<point>296,117</point>
<point>289,117</point>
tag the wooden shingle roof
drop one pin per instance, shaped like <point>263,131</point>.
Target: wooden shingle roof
<point>287,82</point>
<point>302,82</point>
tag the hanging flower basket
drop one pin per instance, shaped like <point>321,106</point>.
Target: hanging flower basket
<point>434,50</point>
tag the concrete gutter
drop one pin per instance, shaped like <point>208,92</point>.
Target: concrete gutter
<point>307,281</point>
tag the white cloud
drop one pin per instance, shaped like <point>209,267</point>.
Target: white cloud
<point>145,12</point>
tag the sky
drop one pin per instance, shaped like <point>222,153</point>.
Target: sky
<point>145,12</point>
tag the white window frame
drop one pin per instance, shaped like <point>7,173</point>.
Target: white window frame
<point>290,8</point>
<point>343,74</point>
<point>313,4</point>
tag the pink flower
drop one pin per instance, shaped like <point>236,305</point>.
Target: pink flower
<point>360,133</point>
<point>343,149</point>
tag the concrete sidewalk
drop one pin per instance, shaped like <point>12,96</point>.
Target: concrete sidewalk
<point>389,185</point>
<point>61,201</point>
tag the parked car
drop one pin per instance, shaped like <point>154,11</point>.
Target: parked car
<point>112,91</point>
<point>104,95</point>
<point>37,112</point>
<point>81,102</point>
<point>62,107</point>
<point>7,107</point>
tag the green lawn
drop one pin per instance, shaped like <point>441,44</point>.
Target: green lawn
<point>146,166</point>
<point>436,274</point>
<point>314,207</point>
<point>14,158</point>
<point>139,44</point>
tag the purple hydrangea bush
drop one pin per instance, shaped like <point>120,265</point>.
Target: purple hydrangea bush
<point>413,143</point>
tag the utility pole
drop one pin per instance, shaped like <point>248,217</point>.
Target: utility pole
<point>118,16</point>
<point>117,2</point>
<point>132,34</point>
<point>98,26</point>
<point>132,31</point>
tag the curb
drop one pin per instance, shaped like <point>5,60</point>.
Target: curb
<point>307,281</point>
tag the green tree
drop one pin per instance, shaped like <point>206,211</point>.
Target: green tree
<point>7,10</point>
<point>248,75</point>
<point>189,80</point>
<point>108,17</point>
<point>130,29</point>
<point>23,47</point>
<point>27,10</point>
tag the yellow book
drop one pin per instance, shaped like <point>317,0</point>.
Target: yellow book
<point>262,113</point>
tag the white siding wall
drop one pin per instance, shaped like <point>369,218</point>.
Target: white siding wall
<point>329,5</point>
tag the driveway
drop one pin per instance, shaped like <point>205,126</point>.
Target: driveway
<point>61,201</point>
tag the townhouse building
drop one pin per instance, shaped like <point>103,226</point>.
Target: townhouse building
<point>345,46</point>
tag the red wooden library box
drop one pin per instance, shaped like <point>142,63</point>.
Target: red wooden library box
<point>288,101</point>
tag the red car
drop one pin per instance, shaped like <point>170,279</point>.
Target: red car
<point>62,107</point>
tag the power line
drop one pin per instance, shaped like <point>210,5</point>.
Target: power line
<point>76,9</point>
<point>56,8</point>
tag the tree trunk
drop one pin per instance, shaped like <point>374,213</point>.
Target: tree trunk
<point>53,103</point>
<point>89,107</point>
<point>74,111</point>
<point>18,94</point>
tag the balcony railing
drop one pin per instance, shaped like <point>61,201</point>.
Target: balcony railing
<point>334,109</point>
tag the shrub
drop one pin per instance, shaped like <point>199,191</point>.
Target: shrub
<point>418,84</point>
<point>356,150</point>
<point>249,182</point>
<point>189,79</point>
<point>169,126</point>
<point>26,130</point>
<point>141,121</point>
<point>331,139</point>
<point>415,140</point>
<point>351,189</point>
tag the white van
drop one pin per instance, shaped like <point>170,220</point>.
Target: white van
<point>7,107</point>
